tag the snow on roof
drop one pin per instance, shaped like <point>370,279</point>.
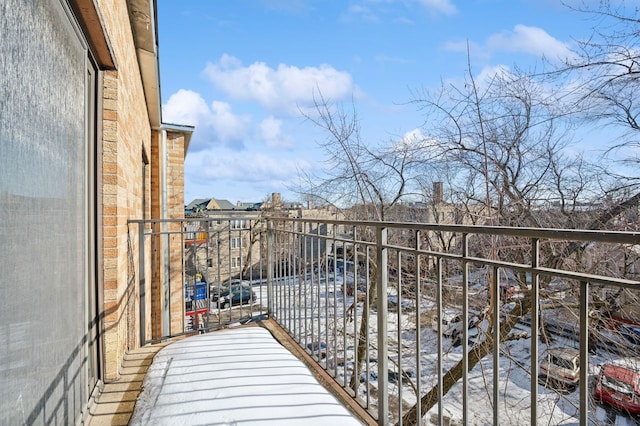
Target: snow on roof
<point>234,376</point>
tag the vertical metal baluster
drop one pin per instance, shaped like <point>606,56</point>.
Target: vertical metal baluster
<point>240,232</point>
<point>299,269</point>
<point>418,330</point>
<point>287,265</point>
<point>496,345</point>
<point>231,222</point>
<point>208,277</point>
<point>355,310</point>
<point>194,302</point>
<point>292,287</point>
<point>584,352</point>
<point>261,235</point>
<point>383,361</point>
<point>316,340</point>
<point>252,226</point>
<point>326,298</point>
<point>439,339</point>
<point>142,285</point>
<point>305,240</point>
<point>465,329</point>
<point>399,335</point>
<point>278,278</point>
<point>218,271</point>
<point>367,312</point>
<point>535,316</point>
<point>335,304</point>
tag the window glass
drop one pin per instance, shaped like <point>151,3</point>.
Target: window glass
<point>43,228</point>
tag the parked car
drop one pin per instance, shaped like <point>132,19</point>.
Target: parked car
<point>623,340</point>
<point>216,288</point>
<point>348,287</point>
<point>234,293</point>
<point>619,387</point>
<point>507,291</point>
<point>562,366</point>
<point>452,324</point>
<point>631,333</point>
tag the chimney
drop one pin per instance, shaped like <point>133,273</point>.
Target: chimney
<point>437,192</point>
<point>276,200</point>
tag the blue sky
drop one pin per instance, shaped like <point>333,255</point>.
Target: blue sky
<point>240,71</point>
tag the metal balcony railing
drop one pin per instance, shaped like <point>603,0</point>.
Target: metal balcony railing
<point>418,322</point>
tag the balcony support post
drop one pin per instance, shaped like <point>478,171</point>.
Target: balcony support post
<point>496,344</point>
<point>270,242</point>
<point>142,284</point>
<point>383,356</point>
<point>535,326</point>
<point>584,352</point>
<point>465,329</point>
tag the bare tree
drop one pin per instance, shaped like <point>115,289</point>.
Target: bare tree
<point>507,134</point>
<point>504,143</point>
<point>600,79</point>
<point>357,173</point>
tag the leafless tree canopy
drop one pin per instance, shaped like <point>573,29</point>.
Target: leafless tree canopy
<point>507,151</point>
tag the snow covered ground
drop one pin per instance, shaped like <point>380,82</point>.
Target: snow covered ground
<point>556,406</point>
<point>230,377</point>
<point>324,304</point>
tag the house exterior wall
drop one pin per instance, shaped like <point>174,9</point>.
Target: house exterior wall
<point>132,191</point>
<point>76,144</point>
<point>175,197</point>
<point>175,152</point>
<point>126,133</point>
<point>228,250</point>
<point>222,249</point>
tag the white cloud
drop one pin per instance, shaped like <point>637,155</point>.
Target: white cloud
<point>461,46</point>
<point>489,73</point>
<point>365,13</point>
<point>375,10</point>
<point>185,107</point>
<point>213,125</point>
<point>248,166</point>
<point>414,135</point>
<point>523,39</point>
<point>285,88</point>
<point>531,40</point>
<point>439,6</point>
<point>271,133</point>
<point>417,142</point>
<point>414,145</point>
<point>230,128</point>
<point>224,173</point>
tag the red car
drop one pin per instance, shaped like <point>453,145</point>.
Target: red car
<point>619,387</point>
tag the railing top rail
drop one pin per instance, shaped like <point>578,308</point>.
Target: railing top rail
<point>623,237</point>
<point>243,216</point>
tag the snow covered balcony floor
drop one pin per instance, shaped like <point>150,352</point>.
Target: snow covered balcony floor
<point>239,375</point>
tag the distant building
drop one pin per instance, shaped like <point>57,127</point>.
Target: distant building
<point>228,233</point>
